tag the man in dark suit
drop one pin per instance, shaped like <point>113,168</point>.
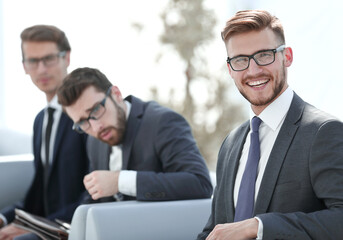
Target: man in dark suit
<point>60,160</point>
<point>286,180</point>
<point>148,151</point>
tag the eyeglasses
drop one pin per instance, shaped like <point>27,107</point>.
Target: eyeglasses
<point>262,58</point>
<point>48,61</point>
<point>96,113</point>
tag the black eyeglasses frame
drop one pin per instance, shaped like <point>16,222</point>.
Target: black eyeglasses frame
<point>275,50</point>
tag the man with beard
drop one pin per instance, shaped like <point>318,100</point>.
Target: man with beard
<point>284,178</point>
<point>145,152</point>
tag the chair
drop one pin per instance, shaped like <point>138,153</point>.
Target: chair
<point>128,220</point>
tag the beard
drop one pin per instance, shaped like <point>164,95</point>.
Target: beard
<point>117,130</point>
<point>280,82</point>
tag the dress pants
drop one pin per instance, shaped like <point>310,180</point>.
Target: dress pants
<point>27,236</point>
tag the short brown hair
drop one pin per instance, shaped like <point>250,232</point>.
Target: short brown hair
<point>77,81</point>
<point>252,20</point>
<point>45,33</point>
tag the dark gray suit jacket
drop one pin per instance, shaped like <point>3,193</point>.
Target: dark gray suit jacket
<point>301,193</point>
<point>159,145</point>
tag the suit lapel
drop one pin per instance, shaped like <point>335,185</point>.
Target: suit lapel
<point>38,128</point>
<point>104,151</point>
<point>232,167</point>
<point>278,155</point>
<point>62,126</point>
<point>132,126</point>
<point>98,153</point>
<point>38,136</point>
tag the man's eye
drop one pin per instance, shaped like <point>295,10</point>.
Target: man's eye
<point>96,108</point>
<point>240,60</point>
<point>32,60</point>
<point>264,54</point>
<point>49,58</point>
<point>82,122</point>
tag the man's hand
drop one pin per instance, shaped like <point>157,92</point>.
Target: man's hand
<point>101,183</point>
<point>9,232</point>
<point>246,229</point>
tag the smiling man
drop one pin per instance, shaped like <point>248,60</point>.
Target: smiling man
<point>279,175</point>
<point>146,151</point>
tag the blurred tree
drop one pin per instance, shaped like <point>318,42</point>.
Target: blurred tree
<point>188,27</point>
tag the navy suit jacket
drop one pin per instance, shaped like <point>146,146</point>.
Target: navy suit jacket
<point>301,193</point>
<point>65,183</point>
<point>159,145</point>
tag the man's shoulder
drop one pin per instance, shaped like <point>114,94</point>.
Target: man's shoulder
<point>154,106</point>
<point>318,115</point>
<point>314,117</point>
<point>40,114</point>
<point>38,122</point>
<point>150,109</point>
<point>304,114</point>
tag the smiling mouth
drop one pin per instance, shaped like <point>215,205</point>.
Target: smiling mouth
<point>258,83</point>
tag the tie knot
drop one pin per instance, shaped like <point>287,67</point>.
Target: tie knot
<point>255,123</point>
<point>51,111</point>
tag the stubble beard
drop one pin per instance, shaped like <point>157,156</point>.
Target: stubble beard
<point>119,129</point>
<point>276,90</point>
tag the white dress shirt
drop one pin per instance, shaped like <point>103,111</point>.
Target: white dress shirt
<point>57,116</point>
<point>272,119</point>
<point>127,178</point>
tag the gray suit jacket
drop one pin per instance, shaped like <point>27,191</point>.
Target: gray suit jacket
<point>159,145</point>
<point>301,193</point>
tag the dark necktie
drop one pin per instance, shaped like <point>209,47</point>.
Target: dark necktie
<point>47,142</point>
<point>47,154</point>
<point>246,194</point>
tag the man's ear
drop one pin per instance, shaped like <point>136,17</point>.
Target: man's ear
<point>117,94</point>
<point>288,53</point>
<point>229,67</point>
<point>26,71</point>
<point>67,58</point>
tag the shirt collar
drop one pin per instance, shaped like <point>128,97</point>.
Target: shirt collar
<point>54,103</point>
<point>277,110</point>
<point>128,109</point>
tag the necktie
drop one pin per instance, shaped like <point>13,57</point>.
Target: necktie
<point>47,154</point>
<point>246,194</point>
<point>47,141</point>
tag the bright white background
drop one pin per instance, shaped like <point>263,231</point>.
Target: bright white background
<point>101,35</point>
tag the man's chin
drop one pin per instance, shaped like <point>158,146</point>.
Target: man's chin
<point>112,141</point>
<point>113,136</point>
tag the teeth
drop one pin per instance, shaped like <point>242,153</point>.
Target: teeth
<point>256,83</point>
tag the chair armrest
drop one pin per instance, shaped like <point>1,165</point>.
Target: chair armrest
<point>130,220</point>
<point>78,223</point>
<point>16,173</point>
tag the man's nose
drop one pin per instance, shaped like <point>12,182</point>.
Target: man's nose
<point>41,66</point>
<point>96,125</point>
<point>253,67</point>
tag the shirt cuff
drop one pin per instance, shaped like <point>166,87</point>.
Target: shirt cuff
<point>260,229</point>
<point>4,220</point>
<point>127,182</point>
